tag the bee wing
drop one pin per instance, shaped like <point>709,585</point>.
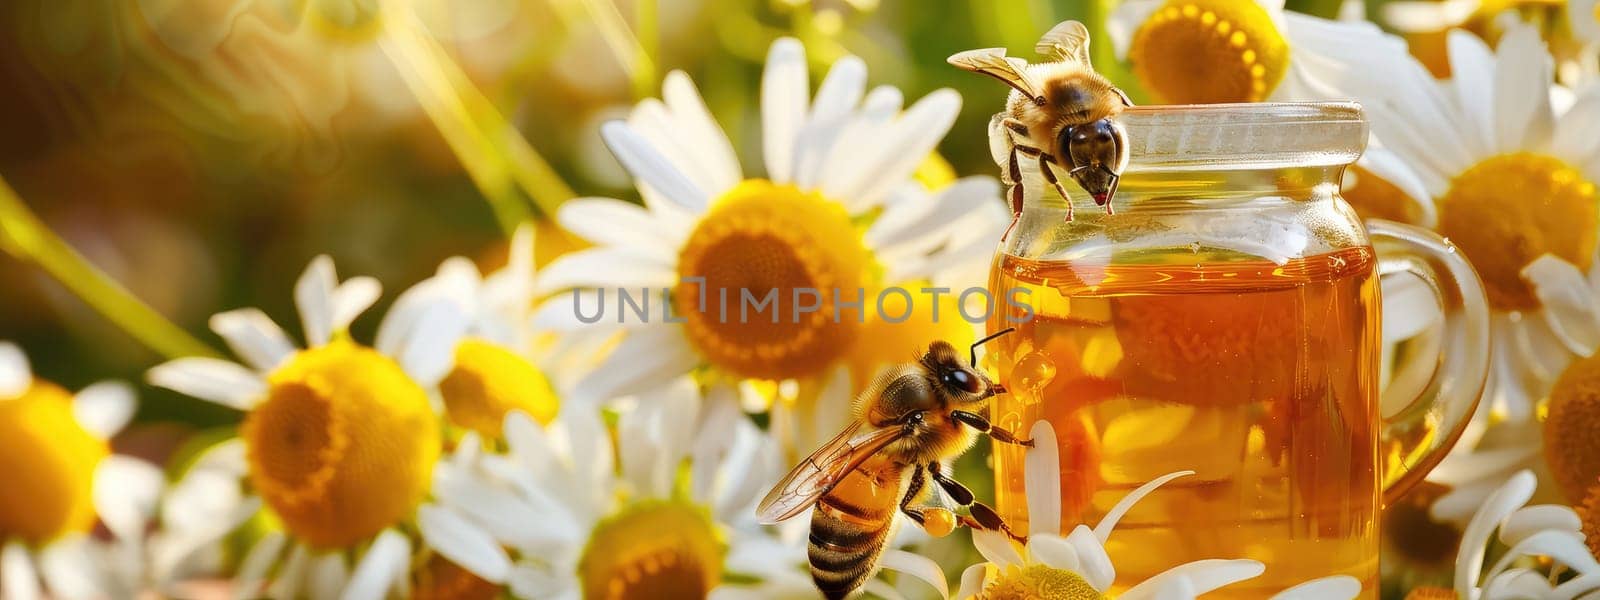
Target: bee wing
<point>1067,41</point>
<point>994,63</point>
<point>823,470</point>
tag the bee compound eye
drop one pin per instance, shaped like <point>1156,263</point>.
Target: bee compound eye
<point>962,380</point>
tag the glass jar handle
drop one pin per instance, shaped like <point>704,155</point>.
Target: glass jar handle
<point>1417,436</point>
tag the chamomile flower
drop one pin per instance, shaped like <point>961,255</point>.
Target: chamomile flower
<point>1487,162</point>
<point>1551,533</point>
<point>339,439</point>
<point>496,367</point>
<point>61,478</point>
<point>836,210</point>
<point>1208,51</point>
<point>662,518</point>
<point>1077,565</point>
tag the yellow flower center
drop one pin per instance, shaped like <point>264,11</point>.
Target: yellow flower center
<point>653,549</point>
<point>1571,447</point>
<point>1206,51</point>
<point>1431,593</point>
<point>47,463</point>
<point>1039,582</point>
<point>343,446</point>
<point>1589,512</point>
<point>771,257</point>
<point>440,579</point>
<point>1509,209</point>
<point>1414,537</point>
<point>489,380</point>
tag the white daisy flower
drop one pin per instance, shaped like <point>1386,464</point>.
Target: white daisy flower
<point>1487,161</point>
<point>836,210</point>
<point>500,362</point>
<point>1209,51</point>
<point>1571,313</point>
<point>61,478</point>
<point>1079,560</point>
<point>339,440</point>
<point>635,524</point>
<point>1550,532</point>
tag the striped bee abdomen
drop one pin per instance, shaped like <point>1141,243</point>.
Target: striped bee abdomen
<point>846,540</point>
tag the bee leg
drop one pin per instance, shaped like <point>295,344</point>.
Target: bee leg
<point>976,421</point>
<point>1014,172</point>
<point>1050,176</point>
<point>984,517</point>
<point>936,520</point>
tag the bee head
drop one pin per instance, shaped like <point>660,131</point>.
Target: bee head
<point>1095,152</point>
<point>955,378</point>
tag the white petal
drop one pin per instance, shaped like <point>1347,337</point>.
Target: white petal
<point>1125,20</point>
<point>785,93</point>
<point>313,297</point>
<point>905,145</point>
<point>499,512</point>
<point>18,578</point>
<point>125,494</point>
<point>882,589</point>
<point>104,408</point>
<point>328,575</point>
<point>1473,70</point>
<point>644,359</point>
<point>594,311</point>
<point>463,543</point>
<point>74,570</point>
<point>1054,551</point>
<point>1516,583</point>
<point>972,580</point>
<point>1042,480</point>
<point>1109,522</point>
<point>253,570</point>
<point>647,164</point>
<point>381,569</point>
<point>15,375</point>
<point>1474,539</point>
<point>1533,519</point>
<point>1336,587</point>
<point>836,99</point>
<point>641,273</point>
<point>429,352</point>
<point>1575,587</point>
<point>679,409</point>
<point>916,566</point>
<point>1568,303</point>
<point>1204,575</point>
<point>716,152</point>
<point>607,222</point>
<point>995,547</point>
<point>254,337</point>
<point>1565,547</point>
<point>1522,91</point>
<point>1391,168</point>
<point>291,579</point>
<point>592,458</point>
<point>1093,561</point>
<point>1577,137</point>
<point>352,298</point>
<point>1421,15</point>
<point>216,380</point>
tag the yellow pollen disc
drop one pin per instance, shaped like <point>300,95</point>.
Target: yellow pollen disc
<point>653,549</point>
<point>762,238</point>
<point>1202,51</point>
<point>1431,593</point>
<point>1414,536</point>
<point>343,446</point>
<point>440,579</point>
<point>1571,445</point>
<point>1589,512</point>
<point>1038,582</point>
<point>47,463</point>
<point>1508,210</point>
<point>489,380</point>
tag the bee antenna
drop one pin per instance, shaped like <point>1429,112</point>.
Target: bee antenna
<point>974,349</point>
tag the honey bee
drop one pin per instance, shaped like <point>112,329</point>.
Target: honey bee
<point>909,424</point>
<point>1059,112</point>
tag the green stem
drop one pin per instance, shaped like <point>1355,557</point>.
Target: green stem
<point>496,156</point>
<point>1327,9</point>
<point>27,238</point>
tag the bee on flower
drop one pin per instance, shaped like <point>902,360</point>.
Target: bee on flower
<point>339,439</point>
